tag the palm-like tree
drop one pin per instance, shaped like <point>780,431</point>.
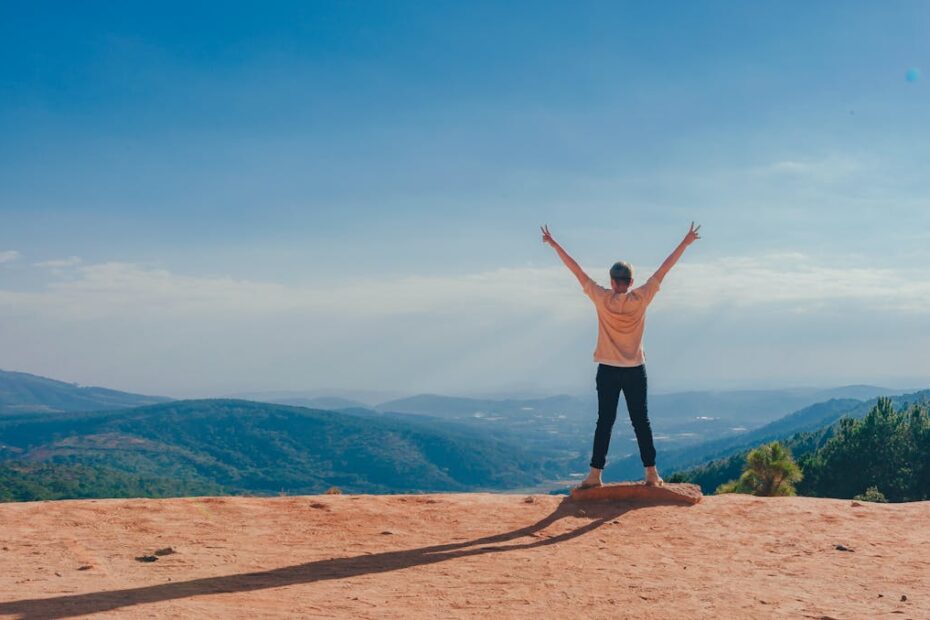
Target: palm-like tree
<point>770,471</point>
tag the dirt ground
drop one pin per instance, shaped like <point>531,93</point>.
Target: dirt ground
<point>464,555</point>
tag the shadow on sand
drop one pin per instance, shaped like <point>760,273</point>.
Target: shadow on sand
<point>320,570</point>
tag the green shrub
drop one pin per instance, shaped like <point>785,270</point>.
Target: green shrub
<point>770,471</point>
<point>872,494</point>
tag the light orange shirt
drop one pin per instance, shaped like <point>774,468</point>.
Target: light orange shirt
<point>621,321</point>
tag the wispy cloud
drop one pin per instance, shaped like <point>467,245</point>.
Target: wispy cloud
<point>792,281</point>
<point>166,331</point>
<point>62,263</point>
<point>798,282</point>
<point>8,256</point>
<point>824,169</point>
<point>118,289</point>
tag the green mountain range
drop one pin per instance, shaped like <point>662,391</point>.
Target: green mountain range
<point>21,392</point>
<point>60,440</point>
<point>238,446</point>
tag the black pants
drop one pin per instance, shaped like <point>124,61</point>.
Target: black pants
<point>611,380</point>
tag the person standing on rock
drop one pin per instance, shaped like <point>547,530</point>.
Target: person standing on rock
<point>621,318</point>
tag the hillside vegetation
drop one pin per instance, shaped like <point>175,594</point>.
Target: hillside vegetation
<point>24,481</point>
<point>247,447</point>
<point>21,392</point>
<point>811,418</point>
<point>803,431</point>
<point>884,454</point>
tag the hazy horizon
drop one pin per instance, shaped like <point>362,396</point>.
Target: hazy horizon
<point>338,196</point>
<point>514,392</point>
<point>522,394</point>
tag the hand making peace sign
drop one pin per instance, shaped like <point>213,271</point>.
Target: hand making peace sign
<point>692,235</point>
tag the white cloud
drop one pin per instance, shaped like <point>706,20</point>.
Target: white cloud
<point>797,282</point>
<point>790,281</point>
<point>776,317</point>
<point>8,256</point>
<point>127,289</point>
<point>825,169</point>
<point>62,263</point>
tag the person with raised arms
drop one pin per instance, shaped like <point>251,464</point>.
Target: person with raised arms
<point>621,319</point>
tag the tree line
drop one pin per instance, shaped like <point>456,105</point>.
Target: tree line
<point>883,456</point>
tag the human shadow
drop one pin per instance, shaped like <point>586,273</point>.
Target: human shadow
<point>321,570</point>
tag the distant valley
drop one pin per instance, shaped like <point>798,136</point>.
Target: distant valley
<point>564,424</point>
<point>62,440</point>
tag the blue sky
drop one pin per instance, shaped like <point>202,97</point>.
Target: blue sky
<point>210,199</point>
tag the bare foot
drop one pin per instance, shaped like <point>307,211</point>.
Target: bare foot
<point>593,479</point>
<point>653,478</point>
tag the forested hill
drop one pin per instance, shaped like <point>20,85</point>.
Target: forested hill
<point>810,419</point>
<point>807,419</point>
<point>883,444</point>
<point>21,392</point>
<point>242,446</point>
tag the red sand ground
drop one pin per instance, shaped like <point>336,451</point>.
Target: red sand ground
<point>468,555</point>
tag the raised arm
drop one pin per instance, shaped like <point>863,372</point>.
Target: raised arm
<point>568,260</point>
<point>690,238</point>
